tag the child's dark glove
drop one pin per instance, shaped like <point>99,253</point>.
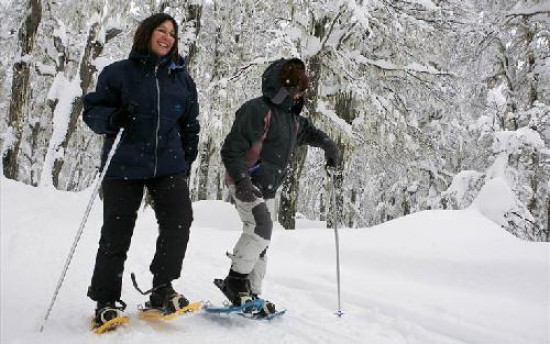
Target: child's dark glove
<point>245,191</point>
<point>333,155</point>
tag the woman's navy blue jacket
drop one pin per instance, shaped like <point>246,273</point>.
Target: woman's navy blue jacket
<point>163,136</point>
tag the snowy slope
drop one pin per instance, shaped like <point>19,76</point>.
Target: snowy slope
<point>441,277</point>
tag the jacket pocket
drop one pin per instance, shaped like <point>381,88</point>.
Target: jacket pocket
<point>268,177</point>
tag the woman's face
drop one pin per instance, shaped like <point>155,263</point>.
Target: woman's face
<point>163,39</point>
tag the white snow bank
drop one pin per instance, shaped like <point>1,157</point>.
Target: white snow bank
<point>435,277</point>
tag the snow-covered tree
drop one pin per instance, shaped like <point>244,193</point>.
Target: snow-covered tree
<point>511,95</point>
<point>429,100</point>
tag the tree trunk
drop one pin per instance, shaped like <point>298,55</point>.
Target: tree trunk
<point>351,214</point>
<point>531,64</point>
<point>207,151</point>
<point>87,71</point>
<point>194,14</point>
<point>21,87</point>
<point>335,213</point>
<point>548,220</point>
<point>322,206</point>
<point>204,167</point>
<point>289,194</point>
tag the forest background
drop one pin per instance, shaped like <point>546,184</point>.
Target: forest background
<point>428,99</point>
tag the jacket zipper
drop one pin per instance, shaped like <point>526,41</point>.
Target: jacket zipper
<point>158,122</point>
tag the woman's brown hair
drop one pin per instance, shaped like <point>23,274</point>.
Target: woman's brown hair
<point>145,30</point>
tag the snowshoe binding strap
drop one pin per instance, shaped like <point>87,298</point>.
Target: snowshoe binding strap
<point>134,282</point>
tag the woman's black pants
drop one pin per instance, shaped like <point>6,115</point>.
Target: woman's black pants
<point>121,202</point>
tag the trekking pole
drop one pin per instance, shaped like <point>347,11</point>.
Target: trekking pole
<point>81,228</point>
<point>339,313</point>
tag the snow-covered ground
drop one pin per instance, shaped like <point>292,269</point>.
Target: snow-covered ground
<point>435,277</point>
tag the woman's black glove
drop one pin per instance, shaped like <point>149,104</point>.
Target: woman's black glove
<point>245,191</point>
<point>333,155</point>
<point>123,116</point>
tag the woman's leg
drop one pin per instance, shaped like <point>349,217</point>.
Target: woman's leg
<point>174,216</point>
<point>121,201</point>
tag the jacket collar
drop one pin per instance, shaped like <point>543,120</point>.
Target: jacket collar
<point>153,60</point>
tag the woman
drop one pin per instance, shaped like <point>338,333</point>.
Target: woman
<point>154,99</point>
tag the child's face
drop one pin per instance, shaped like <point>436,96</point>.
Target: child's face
<point>295,92</point>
